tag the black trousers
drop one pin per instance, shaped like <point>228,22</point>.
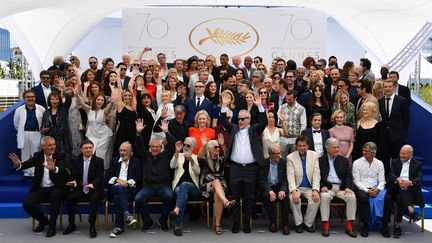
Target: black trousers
<point>77,195</point>
<point>270,207</point>
<point>52,195</point>
<point>364,207</point>
<point>243,182</point>
<point>404,198</point>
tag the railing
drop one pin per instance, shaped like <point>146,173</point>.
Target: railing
<point>8,101</point>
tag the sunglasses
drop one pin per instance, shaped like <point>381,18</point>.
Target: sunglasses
<point>135,65</point>
<point>261,69</point>
<point>92,63</point>
<point>243,118</point>
<point>123,69</point>
<point>216,147</point>
<point>263,92</point>
<point>45,77</point>
<point>187,145</point>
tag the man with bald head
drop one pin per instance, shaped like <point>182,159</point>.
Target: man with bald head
<point>245,155</point>
<point>406,181</point>
<point>237,62</point>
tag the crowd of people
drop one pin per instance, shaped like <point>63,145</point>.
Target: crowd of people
<point>192,128</point>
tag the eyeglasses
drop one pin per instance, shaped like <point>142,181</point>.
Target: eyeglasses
<point>216,147</point>
<point>275,153</point>
<point>92,63</point>
<point>46,78</point>
<point>261,69</point>
<point>135,65</point>
<point>263,92</point>
<point>150,65</point>
<point>187,145</point>
<point>199,86</point>
<point>243,118</point>
<point>123,69</point>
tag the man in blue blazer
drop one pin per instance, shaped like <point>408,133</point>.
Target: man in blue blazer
<point>316,135</point>
<point>44,88</point>
<point>195,104</point>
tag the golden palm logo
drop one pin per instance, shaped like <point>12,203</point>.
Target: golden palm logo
<point>225,37</point>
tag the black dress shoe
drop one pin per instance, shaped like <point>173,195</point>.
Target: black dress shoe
<point>308,229</point>
<point>414,217</point>
<point>92,231</point>
<point>235,228</point>
<point>247,228</point>
<point>364,231</point>
<point>385,231</point>
<point>50,233</point>
<point>285,229</point>
<point>40,227</point>
<point>71,228</point>
<point>299,228</point>
<point>178,231</point>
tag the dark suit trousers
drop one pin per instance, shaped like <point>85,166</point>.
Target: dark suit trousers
<point>270,207</point>
<point>403,200</point>
<point>52,195</point>
<point>79,196</point>
<point>243,182</point>
<point>364,208</point>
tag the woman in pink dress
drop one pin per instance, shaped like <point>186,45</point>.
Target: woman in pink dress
<point>344,133</point>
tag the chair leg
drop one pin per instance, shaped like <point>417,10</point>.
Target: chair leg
<point>97,221</point>
<point>422,219</point>
<point>134,213</point>
<point>106,215</point>
<point>241,213</point>
<point>208,215</point>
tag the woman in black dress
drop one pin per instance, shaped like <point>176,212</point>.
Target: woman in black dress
<point>320,105</point>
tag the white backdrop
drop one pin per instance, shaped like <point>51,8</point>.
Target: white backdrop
<point>293,33</point>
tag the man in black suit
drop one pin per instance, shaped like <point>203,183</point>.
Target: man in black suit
<point>48,183</point>
<point>245,156</point>
<point>195,104</point>
<point>274,185</point>
<point>336,181</point>
<point>406,181</point>
<point>316,135</point>
<point>86,184</point>
<point>331,89</point>
<point>395,115</point>
<point>124,181</point>
<point>44,88</point>
<point>121,67</point>
<point>225,66</point>
<point>400,90</point>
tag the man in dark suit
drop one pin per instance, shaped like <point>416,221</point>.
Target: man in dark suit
<point>395,115</point>
<point>406,181</point>
<point>224,65</point>
<point>193,105</point>
<point>48,183</point>
<point>336,181</point>
<point>43,89</point>
<point>248,70</point>
<point>400,90</point>
<point>316,135</point>
<point>124,181</point>
<point>86,184</point>
<point>123,77</point>
<point>274,185</point>
<point>245,156</point>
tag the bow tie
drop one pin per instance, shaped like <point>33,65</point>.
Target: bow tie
<point>316,131</point>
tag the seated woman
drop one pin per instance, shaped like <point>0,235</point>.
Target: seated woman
<point>186,179</point>
<point>212,177</point>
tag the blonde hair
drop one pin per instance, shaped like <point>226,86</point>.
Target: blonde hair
<point>337,112</point>
<point>370,106</point>
<point>377,85</point>
<point>338,99</point>
<point>202,112</point>
<point>231,105</point>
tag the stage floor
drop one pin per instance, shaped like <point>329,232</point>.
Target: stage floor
<point>19,230</point>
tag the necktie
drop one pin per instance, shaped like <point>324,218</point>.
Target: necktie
<point>198,102</point>
<point>85,176</point>
<point>360,104</point>
<point>388,107</point>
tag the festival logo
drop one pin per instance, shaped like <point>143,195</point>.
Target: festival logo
<point>224,35</point>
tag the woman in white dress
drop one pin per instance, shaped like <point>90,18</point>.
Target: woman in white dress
<point>97,130</point>
<point>271,133</point>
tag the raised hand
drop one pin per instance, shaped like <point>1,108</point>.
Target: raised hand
<point>139,125</point>
<point>220,139</point>
<point>86,84</point>
<point>50,165</point>
<point>226,99</point>
<point>164,112</point>
<point>179,146</point>
<point>15,160</point>
<point>282,117</point>
<point>257,100</point>
<point>164,125</point>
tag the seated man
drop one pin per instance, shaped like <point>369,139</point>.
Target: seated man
<point>274,184</point>
<point>303,179</point>
<point>317,136</point>
<point>157,175</point>
<point>336,181</point>
<point>368,176</point>
<point>86,184</point>
<point>406,176</point>
<point>186,179</point>
<point>125,175</point>
<point>48,183</point>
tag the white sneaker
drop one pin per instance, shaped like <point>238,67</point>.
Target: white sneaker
<point>130,220</point>
<point>116,232</point>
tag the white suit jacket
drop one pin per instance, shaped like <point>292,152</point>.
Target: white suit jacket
<point>295,170</point>
<point>20,118</point>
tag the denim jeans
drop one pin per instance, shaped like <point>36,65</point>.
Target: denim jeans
<point>120,195</point>
<point>146,193</point>
<point>183,192</point>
